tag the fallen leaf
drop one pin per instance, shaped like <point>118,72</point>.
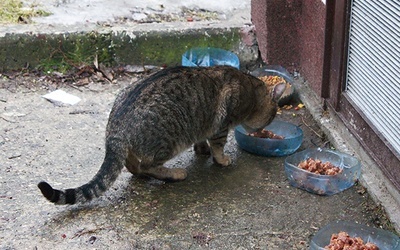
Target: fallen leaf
<point>83,81</point>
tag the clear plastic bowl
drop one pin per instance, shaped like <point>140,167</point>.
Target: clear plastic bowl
<point>205,57</point>
<point>385,240</point>
<point>323,184</point>
<point>293,137</point>
<point>277,70</point>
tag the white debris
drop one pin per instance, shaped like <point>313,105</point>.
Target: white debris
<point>13,114</point>
<point>60,96</point>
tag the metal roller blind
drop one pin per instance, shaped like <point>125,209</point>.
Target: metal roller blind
<point>373,77</point>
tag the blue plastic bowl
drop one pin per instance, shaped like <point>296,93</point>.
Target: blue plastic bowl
<point>385,240</point>
<point>277,70</point>
<point>323,184</point>
<point>205,57</point>
<point>293,137</point>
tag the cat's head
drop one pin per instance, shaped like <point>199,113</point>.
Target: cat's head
<point>266,109</point>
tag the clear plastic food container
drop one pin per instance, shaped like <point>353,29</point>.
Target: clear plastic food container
<point>323,184</point>
<point>383,239</point>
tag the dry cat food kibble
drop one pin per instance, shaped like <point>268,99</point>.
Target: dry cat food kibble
<point>272,80</point>
<point>318,167</point>
<point>266,134</point>
<point>342,241</point>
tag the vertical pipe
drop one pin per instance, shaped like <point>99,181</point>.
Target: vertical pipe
<point>326,70</point>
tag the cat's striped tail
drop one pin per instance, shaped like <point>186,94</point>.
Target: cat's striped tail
<point>105,177</point>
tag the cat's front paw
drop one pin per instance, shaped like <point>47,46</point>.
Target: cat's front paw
<point>178,174</point>
<point>223,160</point>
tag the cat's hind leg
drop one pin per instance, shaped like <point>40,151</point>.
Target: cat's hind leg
<point>160,172</point>
<point>156,170</point>
<point>217,143</point>
<point>202,148</point>
<point>133,164</point>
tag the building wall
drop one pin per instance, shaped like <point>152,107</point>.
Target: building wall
<point>291,33</point>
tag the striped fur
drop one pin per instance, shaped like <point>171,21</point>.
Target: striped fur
<point>154,120</point>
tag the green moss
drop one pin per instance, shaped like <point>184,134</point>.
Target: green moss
<point>13,11</point>
<point>76,51</point>
<point>63,52</point>
<point>167,48</point>
<point>153,48</point>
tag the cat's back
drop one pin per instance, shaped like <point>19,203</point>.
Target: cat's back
<point>175,86</point>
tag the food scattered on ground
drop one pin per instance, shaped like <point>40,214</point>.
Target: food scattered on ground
<point>318,167</point>
<point>287,107</point>
<point>299,106</point>
<point>342,240</point>
<point>266,134</point>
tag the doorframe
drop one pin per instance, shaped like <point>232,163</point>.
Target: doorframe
<point>338,14</point>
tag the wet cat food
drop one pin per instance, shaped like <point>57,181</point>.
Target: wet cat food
<point>318,167</point>
<point>266,134</point>
<point>342,240</point>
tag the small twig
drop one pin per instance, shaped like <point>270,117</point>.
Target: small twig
<point>324,145</point>
<point>14,156</point>
<point>75,87</point>
<point>315,132</point>
<point>127,74</point>
<point>7,120</point>
<point>5,197</point>
<point>88,231</point>
<point>84,112</point>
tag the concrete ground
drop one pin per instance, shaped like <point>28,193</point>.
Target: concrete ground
<point>249,205</point>
<point>88,15</point>
<point>125,32</point>
<point>76,12</point>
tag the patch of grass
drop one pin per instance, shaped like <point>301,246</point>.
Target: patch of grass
<point>58,62</point>
<point>13,11</point>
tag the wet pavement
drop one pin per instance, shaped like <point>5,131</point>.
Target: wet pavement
<point>249,205</point>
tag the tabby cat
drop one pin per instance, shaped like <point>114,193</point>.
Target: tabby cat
<point>154,120</point>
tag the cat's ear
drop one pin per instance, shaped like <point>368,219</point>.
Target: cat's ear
<point>278,91</point>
